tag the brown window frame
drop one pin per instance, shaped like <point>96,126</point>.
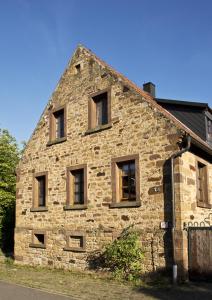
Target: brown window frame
<point>115,169</point>
<point>35,201</point>
<point>205,202</point>
<point>33,243</point>
<point>52,125</point>
<point>92,119</point>
<point>70,205</point>
<point>75,234</point>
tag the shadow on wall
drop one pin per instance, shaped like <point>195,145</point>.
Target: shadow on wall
<point>7,229</point>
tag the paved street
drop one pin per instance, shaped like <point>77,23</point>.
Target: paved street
<point>10,291</point>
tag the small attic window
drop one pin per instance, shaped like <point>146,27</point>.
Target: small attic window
<point>125,89</point>
<point>78,68</point>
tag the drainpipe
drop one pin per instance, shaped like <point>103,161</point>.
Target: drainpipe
<point>179,153</point>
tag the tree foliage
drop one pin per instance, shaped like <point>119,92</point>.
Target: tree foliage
<point>9,157</point>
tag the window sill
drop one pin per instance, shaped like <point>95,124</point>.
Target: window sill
<point>75,207</point>
<point>204,205</point>
<point>37,246</point>
<point>57,141</point>
<point>72,249</point>
<point>125,204</point>
<point>37,209</point>
<point>98,128</point>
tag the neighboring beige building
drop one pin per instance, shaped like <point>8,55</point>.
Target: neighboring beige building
<point>98,161</point>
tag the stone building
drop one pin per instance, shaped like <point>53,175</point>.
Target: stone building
<point>101,159</point>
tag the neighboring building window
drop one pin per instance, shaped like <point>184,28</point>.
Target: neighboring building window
<point>75,241</point>
<point>125,181</point>
<point>99,110</point>
<point>38,239</point>
<point>40,191</point>
<point>202,184</point>
<point>58,125</point>
<point>209,130</point>
<point>76,187</point>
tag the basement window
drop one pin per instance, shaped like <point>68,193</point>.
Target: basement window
<point>38,239</point>
<point>99,112</point>
<point>57,125</point>
<point>76,187</point>
<point>202,185</point>
<point>75,242</point>
<point>125,174</point>
<point>40,192</point>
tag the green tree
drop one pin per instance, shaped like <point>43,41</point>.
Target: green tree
<point>9,157</point>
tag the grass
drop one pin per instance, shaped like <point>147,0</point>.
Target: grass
<point>84,285</point>
<point>79,285</point>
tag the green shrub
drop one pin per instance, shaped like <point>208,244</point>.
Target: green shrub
<point>124,256</point>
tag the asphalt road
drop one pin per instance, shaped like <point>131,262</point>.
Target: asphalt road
<point>10,291</point>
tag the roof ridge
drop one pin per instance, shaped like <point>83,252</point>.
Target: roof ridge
<point>149,99</point>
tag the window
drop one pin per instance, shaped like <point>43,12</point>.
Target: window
<point>58,125</point>
<point>99,110</point>
<point>202,185</point>
<point>209,130</point>
<point>75,241</point>
<point>125,181</point>
<point>40,192</point>
<point>76,187</point>
<point>38,239</point>
<point>78,68</point>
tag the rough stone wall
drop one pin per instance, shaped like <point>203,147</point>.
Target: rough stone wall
<point>188,213</point>
<point>137,128</point>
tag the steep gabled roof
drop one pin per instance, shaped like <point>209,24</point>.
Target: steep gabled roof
<point>140,91</point>
<point>152,102</point>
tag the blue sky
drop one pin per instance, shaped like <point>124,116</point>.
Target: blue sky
<point>168,42</point>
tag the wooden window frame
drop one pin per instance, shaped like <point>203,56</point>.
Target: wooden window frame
<point>76,234</point>
<point>33,244</point>
<point>70,200</point>
<point>116,201</point>
<point>35,206</point>
<point>205,203</point>
<point>92,126</point>
<point>52,126</point>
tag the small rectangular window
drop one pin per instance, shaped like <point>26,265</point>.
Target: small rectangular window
<point>40,182</point>
<point>101,109</point>
<point>38,239</point>
<point>75,241</point>
<point>209,130</point>
<point>78,68</point>
<point>76,187</point>
<point>202,186</point>
<point>99,113</point>
<point>125,182</point>
<point>59,124</point>
<point>57,132</point>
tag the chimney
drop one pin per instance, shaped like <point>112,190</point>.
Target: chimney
<point>149,87</point>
